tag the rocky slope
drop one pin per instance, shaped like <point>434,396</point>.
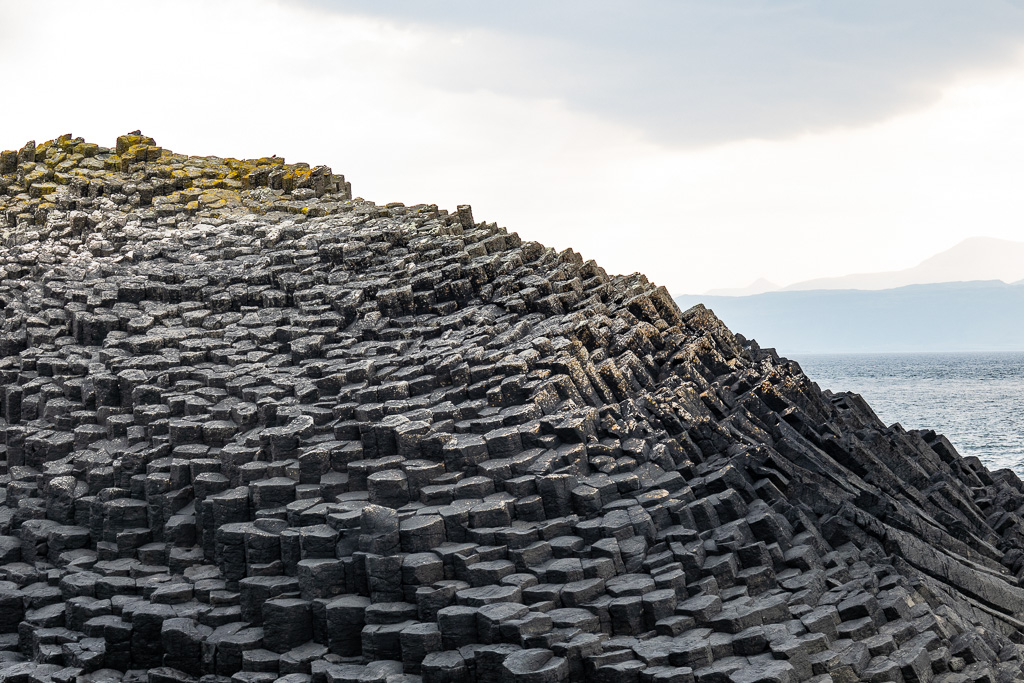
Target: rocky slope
<point>256,430</point>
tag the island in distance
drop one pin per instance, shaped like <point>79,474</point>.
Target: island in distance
<point>969,298</point>
<point>948,317</point>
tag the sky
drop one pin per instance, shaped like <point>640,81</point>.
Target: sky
<point>706,144</point>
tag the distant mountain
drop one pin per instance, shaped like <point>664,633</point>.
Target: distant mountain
<point>952,316</point>
<point>758,286</point>
<point>976,258</point>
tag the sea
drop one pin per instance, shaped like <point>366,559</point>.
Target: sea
<point>975,399</point>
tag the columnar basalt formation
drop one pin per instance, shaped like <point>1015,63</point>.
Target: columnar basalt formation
<point>254,429</point>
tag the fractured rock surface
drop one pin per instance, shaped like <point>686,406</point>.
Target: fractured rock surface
<point>252,429</point>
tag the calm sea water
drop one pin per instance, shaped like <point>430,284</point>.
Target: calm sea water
<point>975,399</point>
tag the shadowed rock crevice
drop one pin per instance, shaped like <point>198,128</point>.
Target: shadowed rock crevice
<point>301,436</point>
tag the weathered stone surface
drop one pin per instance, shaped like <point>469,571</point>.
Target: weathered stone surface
<point>254,429</point>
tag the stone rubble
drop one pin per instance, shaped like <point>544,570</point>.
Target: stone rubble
<point>254,429</point>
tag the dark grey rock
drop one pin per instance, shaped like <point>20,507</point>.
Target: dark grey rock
<point>255,428</point>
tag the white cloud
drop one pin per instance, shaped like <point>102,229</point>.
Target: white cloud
<point>697,73</point>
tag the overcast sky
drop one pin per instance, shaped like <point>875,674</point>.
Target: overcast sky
<point>706,144</point>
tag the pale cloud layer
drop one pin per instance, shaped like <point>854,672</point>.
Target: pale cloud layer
<point>451,108</point>
<point>704,72</point>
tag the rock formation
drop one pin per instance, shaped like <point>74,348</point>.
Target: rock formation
<point>253,429</point>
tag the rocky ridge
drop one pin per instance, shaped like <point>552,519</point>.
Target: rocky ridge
<point>254,429</point>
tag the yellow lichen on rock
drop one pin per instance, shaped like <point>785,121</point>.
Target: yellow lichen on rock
<point>146,182</point>
<point>126,142</point>
<point>86,149</point>
<point>219,199</point>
